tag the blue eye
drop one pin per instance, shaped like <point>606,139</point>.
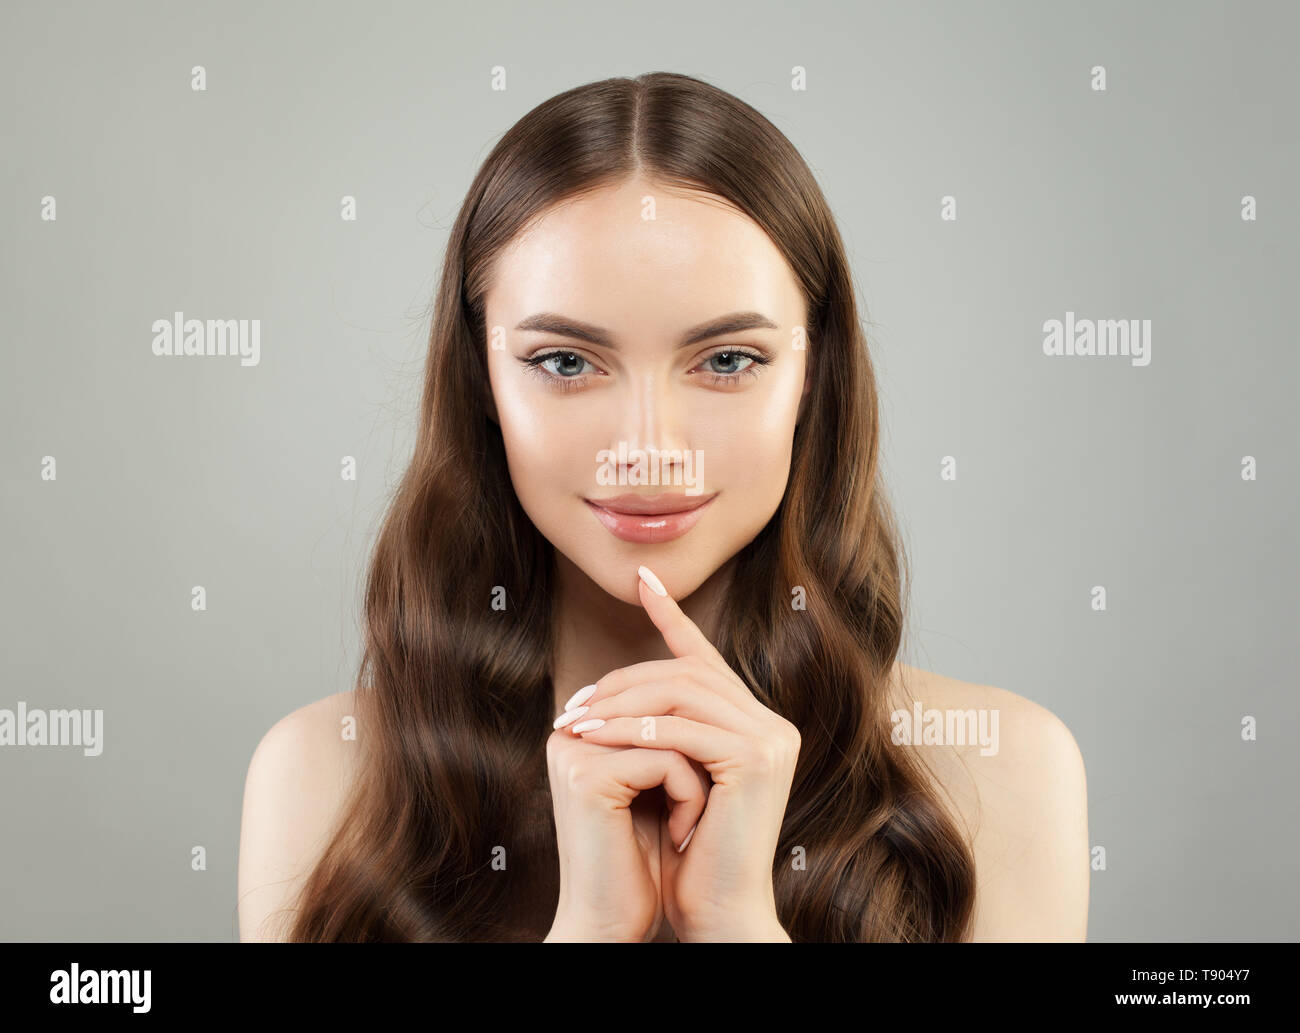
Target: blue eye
<point>729,359</point>
<point>569,375</point>
<point>565,372</point>
<point>731,375</point>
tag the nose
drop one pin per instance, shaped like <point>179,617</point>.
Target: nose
<point>654,418</point>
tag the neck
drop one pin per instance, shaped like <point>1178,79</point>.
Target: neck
<point>596,633</point>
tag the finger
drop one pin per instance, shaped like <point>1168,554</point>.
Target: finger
<point>622,678</point>
<point>681,633</point>
<point>684,636</point>
<point>641,769</point>
<point>680,696</point>
<point>712,747</point>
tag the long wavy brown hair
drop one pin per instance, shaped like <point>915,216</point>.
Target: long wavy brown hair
<point>454,697</point>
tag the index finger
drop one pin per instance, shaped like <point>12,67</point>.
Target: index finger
<point>681,633</point>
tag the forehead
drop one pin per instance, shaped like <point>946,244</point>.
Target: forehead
<point>646,253</point>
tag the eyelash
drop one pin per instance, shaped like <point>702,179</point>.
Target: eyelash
<point>533,365</point>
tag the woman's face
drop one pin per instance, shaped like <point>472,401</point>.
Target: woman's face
<point>613,373</point>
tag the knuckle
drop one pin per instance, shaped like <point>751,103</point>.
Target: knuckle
<point>554,744</point>
<point>792,736</point>
<point>577,775</point>
<point>560,755</point>
<point>764,756</point>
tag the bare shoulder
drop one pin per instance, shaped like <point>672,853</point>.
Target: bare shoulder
<point>297,781</point>
<point>1014,778</point>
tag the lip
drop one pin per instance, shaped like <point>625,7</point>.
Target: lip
<point>646,519</point>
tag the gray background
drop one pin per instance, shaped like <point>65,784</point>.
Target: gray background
<point>1072,471</point>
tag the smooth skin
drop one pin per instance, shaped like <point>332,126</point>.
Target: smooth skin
<point>733,399</point>
<point>1024,808</point>
<point>621,808</point>
<point>717,883</point>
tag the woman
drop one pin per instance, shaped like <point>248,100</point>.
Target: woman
<point>647,462</point>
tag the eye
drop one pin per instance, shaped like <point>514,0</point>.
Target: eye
<point>723,367</point>
<point>565,370</point>
<point>566,359</point>
<point>568,373</point>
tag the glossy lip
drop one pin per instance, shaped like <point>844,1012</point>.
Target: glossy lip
<point>646,519</point>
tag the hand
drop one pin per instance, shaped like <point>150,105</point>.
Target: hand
<point>608,834</point>
<point>720,886</point>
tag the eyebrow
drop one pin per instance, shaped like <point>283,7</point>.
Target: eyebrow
<point>562,326</point>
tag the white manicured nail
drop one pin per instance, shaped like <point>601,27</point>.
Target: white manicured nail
<point>570,715</point>
<point>587,726</point>
<point>580,697</point>
<point>648,576</point>
<point>688,837</point>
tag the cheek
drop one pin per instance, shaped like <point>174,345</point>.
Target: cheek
<point>751,440</point>
<point>751,461</point>
<point>548,451</point>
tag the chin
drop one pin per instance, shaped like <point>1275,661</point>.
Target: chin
<point>630,598</point>
<point>615,569</point>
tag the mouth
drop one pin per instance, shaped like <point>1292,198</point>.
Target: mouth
<point>646,519</point>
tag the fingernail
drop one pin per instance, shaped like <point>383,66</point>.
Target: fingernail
<point>580,697</point>
<point>648,576</point>
<point>587,726</point>
<point>570,715</point>
<point>688,837</point>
